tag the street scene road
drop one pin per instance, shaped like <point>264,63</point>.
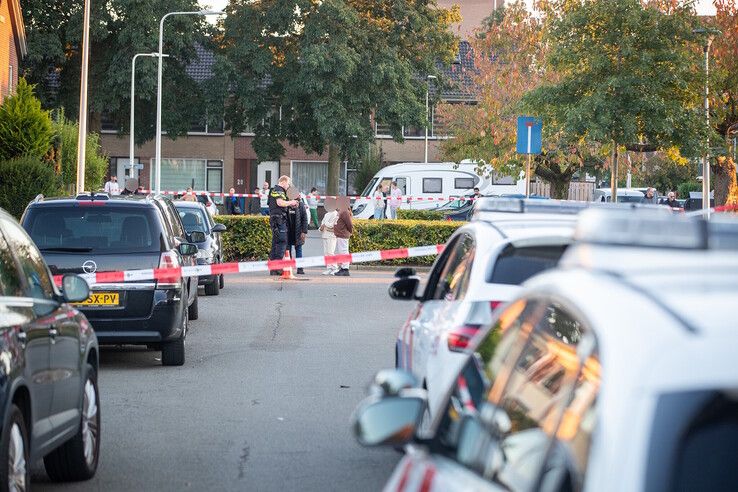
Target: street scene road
<point>274,370</point>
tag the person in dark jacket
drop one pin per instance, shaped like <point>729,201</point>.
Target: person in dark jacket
<point>279,207</point>
<point>233,203</point>
<point>650,197</point>
<point>671,200</point>
<point>297,230</point>
<point>255,203</point>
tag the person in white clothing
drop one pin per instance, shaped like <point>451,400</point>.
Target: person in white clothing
<point>378,202</point>
<point>394,201</point>
<point>111,187</point>
<point>264,199</point>
<point>329,238</point>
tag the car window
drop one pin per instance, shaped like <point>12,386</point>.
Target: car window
<point>38,283</point>
<point>453,280</point>
<point>537,390</point>
<point>10,283</point>
<point>103,229</point>
<point>194,219</point>
<point>516,265</point>
<point>438,267</point>
<point>173,216</point>
<point>502,341</point>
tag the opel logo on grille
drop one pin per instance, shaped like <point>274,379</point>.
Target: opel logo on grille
<point>89,266</point>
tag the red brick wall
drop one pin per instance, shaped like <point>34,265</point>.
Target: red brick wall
<point>8,53</point>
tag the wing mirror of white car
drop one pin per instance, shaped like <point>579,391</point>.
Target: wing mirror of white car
<point>478,448</point>
<point>495,419</point>
<point>405,272</point>
<point>404,288</point>
<point>219,228</point>
<point>74,288</point>
<point>390,382</point>
<point>391,420</point>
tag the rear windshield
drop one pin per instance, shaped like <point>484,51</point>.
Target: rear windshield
<point>94,229</point>
<point>516,265</point>
<point>193,219</point>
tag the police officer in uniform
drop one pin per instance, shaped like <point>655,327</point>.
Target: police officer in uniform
<point>278,218</point>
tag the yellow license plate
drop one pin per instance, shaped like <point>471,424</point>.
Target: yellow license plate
<point>101,299</point>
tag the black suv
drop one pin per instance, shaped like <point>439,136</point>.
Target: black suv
<point>49,401</point>
<point>97,233</point>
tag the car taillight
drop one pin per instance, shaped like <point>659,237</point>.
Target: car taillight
<point>495,304</point>
<point>168,260</point>
<point>459,338</point>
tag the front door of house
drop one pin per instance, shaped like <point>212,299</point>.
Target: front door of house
<point>125,170</point>
<point>268,171</point>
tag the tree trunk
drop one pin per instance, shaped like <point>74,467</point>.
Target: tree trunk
<point>334,170</point>
<point>560,189</point>
<point>94,122</point>
<point>726,188</point>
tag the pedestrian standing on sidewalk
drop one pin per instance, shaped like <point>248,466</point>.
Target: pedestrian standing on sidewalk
<point>279,206</point>
<point>189,195</point>
<point>329,238</point>
<point>378,203</point>
<point>111,187</point>
<point>394,201</point>
<point>233,203</point>
<point>264,198</point>
<point>312,199</point>
<point>343,229</point>
<point>254,207</point>
<point>297,230</point>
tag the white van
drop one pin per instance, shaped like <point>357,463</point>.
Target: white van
<point>433,180</point>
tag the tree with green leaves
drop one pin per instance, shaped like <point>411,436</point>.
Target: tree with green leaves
<point>627,76</point>
<point>119,29</point>
<point>65,154</point>
<point>25,128</point>
<point>326,67</point>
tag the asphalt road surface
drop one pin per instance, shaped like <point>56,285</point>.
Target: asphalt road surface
<point>274,370</point>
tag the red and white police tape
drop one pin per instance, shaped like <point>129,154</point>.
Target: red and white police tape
<point>168,274</point>
<point>322,197</point>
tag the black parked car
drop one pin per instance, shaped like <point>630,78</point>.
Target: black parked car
<point>48,368</point>
<point>95,233</point>
<point>196,218</point>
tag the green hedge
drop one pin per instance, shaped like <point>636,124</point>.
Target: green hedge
<point>419,214</point>
<point>21,180</point>
<point>249,237</point>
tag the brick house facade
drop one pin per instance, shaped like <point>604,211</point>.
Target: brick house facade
<point>12,45</point>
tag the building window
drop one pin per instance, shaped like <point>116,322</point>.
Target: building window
<point>107,123</point>
<point>463,183</point>
<point>382,130</point>
<point>180,174</point>
<point>306,174</point>
<point>202,126</point>
<point>413,131</point>
<point>432,185</point>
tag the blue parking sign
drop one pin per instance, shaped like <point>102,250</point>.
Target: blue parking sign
<point>529,135</point>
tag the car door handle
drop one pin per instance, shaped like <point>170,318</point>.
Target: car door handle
<point>53,332</point>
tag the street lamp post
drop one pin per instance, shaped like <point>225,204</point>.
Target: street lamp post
<point>709,37</point>
<point>427,113</point>
<point>133,106</point>
<point>82,135</point>
<point>160,55</point>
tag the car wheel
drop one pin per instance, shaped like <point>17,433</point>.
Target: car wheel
<point>77,458</point>
<point>213,288</point>
<point>173,353</point>
<point>193,311</point>
<point>221,281</point>
<point>14,465</point>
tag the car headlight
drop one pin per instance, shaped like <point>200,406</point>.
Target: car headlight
<point>359,209</point>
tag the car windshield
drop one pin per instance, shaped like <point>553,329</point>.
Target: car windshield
<point>370,187</point>
<point>516,265</point>
<point>94,229</point>
<point>193,219</point>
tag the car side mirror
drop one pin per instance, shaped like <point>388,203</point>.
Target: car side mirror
<point>405,272</point>
<point>197,236</point>
<point>188,249</point>
<point>390,382</point>
<point>404,288</point>
<point>219,228</point>
<point>389,421</point>
<point>495,419</point>
<point>74,288</point>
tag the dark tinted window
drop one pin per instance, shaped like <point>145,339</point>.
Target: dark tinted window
<point>516,265</point>
<point>10,284</point>
<point>454,278</point>
<point>173,216</point>
<point>36,275</point>
<point>95,229</point>
<point>194,219</point>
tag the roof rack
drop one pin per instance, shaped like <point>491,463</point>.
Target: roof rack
<point>92,196</point>
<point>649,228</point>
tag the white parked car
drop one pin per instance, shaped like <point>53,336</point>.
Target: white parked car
<point>482,267</point>
<point>615,372</point>
<point>427,183</point>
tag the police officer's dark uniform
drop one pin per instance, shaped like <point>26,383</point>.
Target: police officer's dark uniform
<point>278,223</point>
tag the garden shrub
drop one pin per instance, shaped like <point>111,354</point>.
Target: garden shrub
<point>25,128</point>
<point>419,214</point>
<point>250,238</point>
<point>22,179</point>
